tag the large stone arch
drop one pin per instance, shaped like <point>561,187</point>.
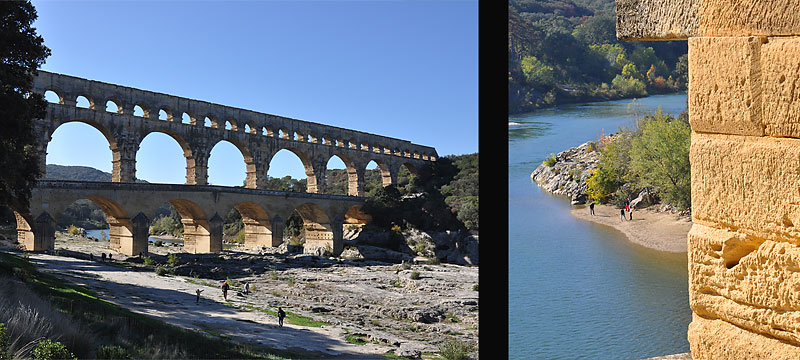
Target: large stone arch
<point>313,182</point>
<point>354,187</point>
<point>200,234</point>
<point>258,228</point>
<point>97,125</point>
<point>188,153</point>
<point>255,174</point>
<point>322,232</point>
<point>386,170</point>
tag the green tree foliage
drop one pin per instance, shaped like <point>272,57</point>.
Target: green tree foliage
<point>443,195</point>
<point>537,73</point>
<point>51,350</point>
<point>83,213</point>
<point>557,56</point>
<point>286,183</point>
<point>660,158</point>
<point>22,52</point>
<point>612,169</point>
<point>598,29</point>
<point>655,155</point>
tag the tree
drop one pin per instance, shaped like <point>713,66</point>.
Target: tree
<point>660,158</point>
<point>22,52</point>
<point>537,73</point>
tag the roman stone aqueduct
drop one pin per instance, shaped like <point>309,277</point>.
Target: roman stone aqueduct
<point>198,126</point>
<point>744,110</point>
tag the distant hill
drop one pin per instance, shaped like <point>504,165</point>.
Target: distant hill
<point>78,173</point>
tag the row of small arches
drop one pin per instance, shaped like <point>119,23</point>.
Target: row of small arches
<point>165,114</point>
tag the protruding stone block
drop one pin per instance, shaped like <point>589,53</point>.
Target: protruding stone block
<point>682,19</point>
<point>725,85</point>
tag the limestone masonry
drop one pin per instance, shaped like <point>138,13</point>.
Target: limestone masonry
<point>125,116</point>
<point>744,108</point>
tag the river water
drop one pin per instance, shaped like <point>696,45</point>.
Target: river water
<point>579,290</point>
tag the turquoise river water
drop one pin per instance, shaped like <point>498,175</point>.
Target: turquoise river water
<point>579,290</point>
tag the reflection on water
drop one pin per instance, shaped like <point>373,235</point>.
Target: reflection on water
<point>528,129</point>
<point>579,289</point>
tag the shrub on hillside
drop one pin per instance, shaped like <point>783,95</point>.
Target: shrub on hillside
<point>51,350</point>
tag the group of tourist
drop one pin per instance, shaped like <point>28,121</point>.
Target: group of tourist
<point>622,217</point>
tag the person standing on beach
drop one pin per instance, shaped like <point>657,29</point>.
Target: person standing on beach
<point>591,209</point>
<point>198,296</point>
<point>622,214</point>
<point>630,213</point>
<point>225,290</point>
<point>281,315</point>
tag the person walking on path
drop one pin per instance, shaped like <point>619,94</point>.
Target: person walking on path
<point>247,288</point>
<point>198,296</point>
<point>281,315</point>
<point>225,290</point>
<point>591,209</point>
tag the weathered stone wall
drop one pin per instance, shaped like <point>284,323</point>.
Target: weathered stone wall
<point>744,246</point>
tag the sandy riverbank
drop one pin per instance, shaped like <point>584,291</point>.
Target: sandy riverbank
<point>656,230</point>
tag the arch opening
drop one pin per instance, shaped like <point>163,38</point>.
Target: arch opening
<point>140,111</point>
<point>164,114</point>
<point>163,158</point>
<point>79,143</point>
<point>225,167</point>
<point>200,234</point>
<point>101,221</point>
<point>113,106</point>
<point>341,176</point>
<point>376,175</point>
<point>288,171</point>
<point>84,102</point>
<point>53,97</point>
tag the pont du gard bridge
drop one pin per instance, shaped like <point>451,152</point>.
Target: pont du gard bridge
<point>129,206</point>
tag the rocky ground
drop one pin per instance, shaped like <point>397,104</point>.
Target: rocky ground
<point>407,308</point>
<point>568,175</point>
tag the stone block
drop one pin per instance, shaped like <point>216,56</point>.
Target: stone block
<point>682,19</point>
<point>711,338</point>
<point>725,85</point>
<point>746,283</point>
<point>780,64</point>
<point>748,184</point>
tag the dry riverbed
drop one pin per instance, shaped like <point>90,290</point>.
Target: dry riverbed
<point>338,308</point>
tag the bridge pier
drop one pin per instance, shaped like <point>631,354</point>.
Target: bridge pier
<point>202,236</point>
<point>128,236</point>
<point>327,237</point>
<point>38,235</point>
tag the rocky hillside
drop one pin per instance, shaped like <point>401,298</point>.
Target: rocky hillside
<point>566,172</point>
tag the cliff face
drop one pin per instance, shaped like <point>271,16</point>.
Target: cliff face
<point>568,175</point>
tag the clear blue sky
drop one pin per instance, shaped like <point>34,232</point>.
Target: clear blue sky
<point>404,69</point>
